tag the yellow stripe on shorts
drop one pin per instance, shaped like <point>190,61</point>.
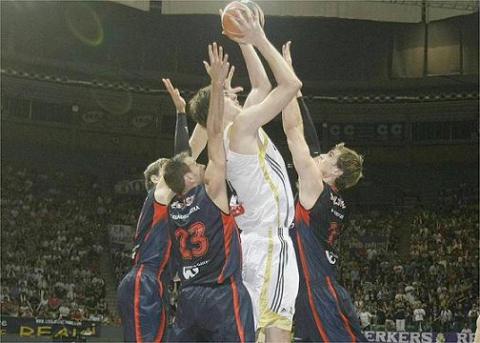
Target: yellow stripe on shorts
<point>267,316</point>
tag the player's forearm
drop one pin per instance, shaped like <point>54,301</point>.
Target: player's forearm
<point>299,150</point>
<point>282,72</point>
<point>309,129</point>
<point>291,117</point>
<point>198,140</point>
<point>216,151</point>
<point>215,112</point>
<point>256,72</point>
<point>181,134</point>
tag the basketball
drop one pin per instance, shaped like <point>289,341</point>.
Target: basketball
<point>228,24</point>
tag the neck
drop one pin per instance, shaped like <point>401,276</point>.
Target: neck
<point>189,188</point>
<point>331,182</point>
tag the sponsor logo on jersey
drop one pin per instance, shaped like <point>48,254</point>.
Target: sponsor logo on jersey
<point>186,215</point>
<point>288,310</point>
<point>182,204</point>
<point>192,271</point>
<point>331,257</point>
<point>337,214</point>
<point>336,200</point>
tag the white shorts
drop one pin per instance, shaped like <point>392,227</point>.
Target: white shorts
<point>270,274</point>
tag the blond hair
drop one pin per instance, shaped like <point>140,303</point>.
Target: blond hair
<point>153,169</point>
<point>351,164</point>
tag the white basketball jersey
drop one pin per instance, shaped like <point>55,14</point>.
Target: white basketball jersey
<point>262,185</point>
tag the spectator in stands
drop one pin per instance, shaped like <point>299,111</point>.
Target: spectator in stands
<point>33,201</point>
<point>41,274</point>
<point>472,315</point>
<point>380,315</point>
<point>446,319</point>
<point>400,315</point>
<point>365,319</point>
<point>64,312</point>
<point>419,316</point>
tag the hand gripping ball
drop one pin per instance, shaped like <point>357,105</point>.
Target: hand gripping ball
<point>229,11</point>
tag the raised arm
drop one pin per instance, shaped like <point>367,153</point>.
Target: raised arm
<point>216,168</point>
<point>309,130</point>
<point>309,176</point>
<point>259,81</point>
<point>198,141</point>
<point>252,118</point>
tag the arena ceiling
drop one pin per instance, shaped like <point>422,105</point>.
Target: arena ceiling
<point>403,11</point>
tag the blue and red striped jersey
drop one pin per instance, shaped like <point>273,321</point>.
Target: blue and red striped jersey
<point>152,245</point>
<point>315,233</point>
<point>206,241</point>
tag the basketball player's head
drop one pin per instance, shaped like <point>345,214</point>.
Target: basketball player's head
<point>341,166</point>
<point>198,106</point>
<point>182,173</point>
<point>153,173</point>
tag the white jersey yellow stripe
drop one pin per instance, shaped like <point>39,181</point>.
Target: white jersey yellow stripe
<point>270,270</point>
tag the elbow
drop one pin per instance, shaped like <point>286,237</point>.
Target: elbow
<point>263,90</point>
<point>266,87</point>
<point>293,86</point>
<point>297,84</point>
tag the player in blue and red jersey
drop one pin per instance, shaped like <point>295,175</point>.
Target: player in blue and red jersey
<point>213,304</point>
<point>323,311</point>
<point>142,294</point>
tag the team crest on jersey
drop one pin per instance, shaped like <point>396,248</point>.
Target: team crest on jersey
<point>184,203</point>
<point>336,200</point>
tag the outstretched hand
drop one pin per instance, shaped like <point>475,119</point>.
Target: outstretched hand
<point>218,67</point>
<point>286,53</point>
<point>247,22</point>
<point>228,83</point>
<point>177,99</point>
<point>288,58</point>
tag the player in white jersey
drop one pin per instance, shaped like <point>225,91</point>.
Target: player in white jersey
<point>257,172</point>
<point>264,192</point>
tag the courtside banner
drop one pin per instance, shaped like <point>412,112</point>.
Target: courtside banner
<point>418,337</point>
<point>55,328</point>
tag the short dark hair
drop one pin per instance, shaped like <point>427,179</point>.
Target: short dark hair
<point>153,169</point>
<point>198,105</point>
<point>174,171</point>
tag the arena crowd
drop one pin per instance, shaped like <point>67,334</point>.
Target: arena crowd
<point>406,271</point>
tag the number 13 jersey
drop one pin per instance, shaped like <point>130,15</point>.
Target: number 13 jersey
<point>206,242</point>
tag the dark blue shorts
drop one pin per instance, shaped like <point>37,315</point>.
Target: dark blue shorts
<point>219,313</point>
<point>324,313</point>
<point>144,317</point>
